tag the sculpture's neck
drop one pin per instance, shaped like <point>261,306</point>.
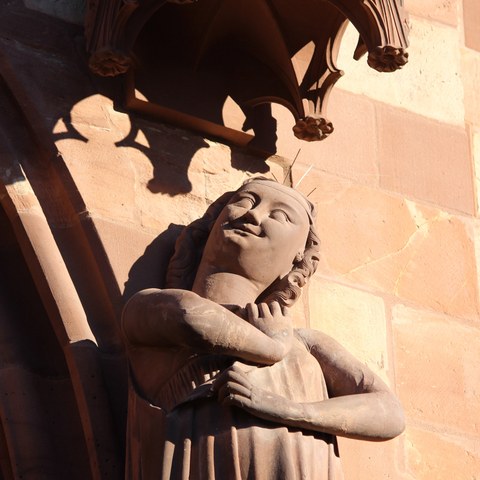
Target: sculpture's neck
<point>226,288</point>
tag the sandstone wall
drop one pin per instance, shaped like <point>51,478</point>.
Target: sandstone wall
<point>396,189</point>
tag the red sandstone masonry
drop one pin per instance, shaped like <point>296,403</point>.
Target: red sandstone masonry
<point>384,243</point>
<point>438,381</point>
<point>434,455</point>
<point>425,159</point>
<point>374,461</point>
<point>444,11</point>
<point>350,151</point>
<point>471,19</point>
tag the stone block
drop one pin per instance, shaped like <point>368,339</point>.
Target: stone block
<point>444,11</point>
<point>441,456</point>
<point>125,246</point>
<point>436,364</point>
<point>104,176</point>
<point>425,159</point>
<point>350,151</point>
<point>440,271</point>
<point>471,23</point>
<point>384,243</point>
<point>215,164</point>
<point>475,145</point>
<point>354,318</point>
<point>429,84</point>
<point>102,172</point>
<point>471,80</point>
<point>321,188</point>
<point>360,229</point>
<point>373,460</point>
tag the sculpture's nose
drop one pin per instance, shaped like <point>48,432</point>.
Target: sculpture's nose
<point>253,216</point>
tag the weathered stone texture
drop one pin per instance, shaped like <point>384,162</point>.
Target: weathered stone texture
<point>400,151</point>
<point>425,159</point>
<point>445,11</point>
<point>441,456</point>
<point>475,148</point>
<point>471,80</point>
<point>374,461</point>
<point>429,84</point>
<point>350,151</point>
<point>439,385</point>
<point>392,245</point>
<point>471,15</point>
<point>354,318</point>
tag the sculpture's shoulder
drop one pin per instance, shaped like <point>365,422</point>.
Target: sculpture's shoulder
<point>157,296</point>
<point>171,300</point>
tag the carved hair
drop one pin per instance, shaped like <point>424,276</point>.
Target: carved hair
<point>191,243</point>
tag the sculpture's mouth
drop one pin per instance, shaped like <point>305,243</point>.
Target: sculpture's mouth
<point>244,228</point>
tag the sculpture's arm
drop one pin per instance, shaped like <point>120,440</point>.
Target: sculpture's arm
<point>166,318</point>
<point>361,406</point>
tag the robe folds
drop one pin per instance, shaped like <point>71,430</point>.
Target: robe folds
<point>185,434</point>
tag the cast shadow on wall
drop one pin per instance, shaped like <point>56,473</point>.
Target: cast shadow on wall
<point>59,81</point>
<point>170,153</point>
<point>52,102</point>
<point>59,102</point>
<point>168,149</point>
<point>149,270</point>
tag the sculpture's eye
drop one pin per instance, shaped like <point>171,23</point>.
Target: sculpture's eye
<point>245,201</point>
<point>279,215</point>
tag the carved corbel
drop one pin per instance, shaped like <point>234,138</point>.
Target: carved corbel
<point>111,28</point>
<point>383,31</point>
<point>105,25</point>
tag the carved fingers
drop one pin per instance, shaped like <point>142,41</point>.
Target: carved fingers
<point>233,388</point>
<point>264,310</point>
<point>274,321</point>
<point>268,317</point>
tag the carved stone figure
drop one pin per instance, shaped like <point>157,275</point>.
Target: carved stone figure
<point>222,386</point>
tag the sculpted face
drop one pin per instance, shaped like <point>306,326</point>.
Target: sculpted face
<point>259,232</point>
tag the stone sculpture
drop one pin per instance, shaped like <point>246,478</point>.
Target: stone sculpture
<point>222,386</point>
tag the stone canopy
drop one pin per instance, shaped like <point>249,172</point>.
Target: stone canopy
<point>184,60</point>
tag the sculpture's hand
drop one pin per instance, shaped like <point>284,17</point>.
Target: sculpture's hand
<point>274,321</point>
<point>235,389</point>
<point>373,415</point>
